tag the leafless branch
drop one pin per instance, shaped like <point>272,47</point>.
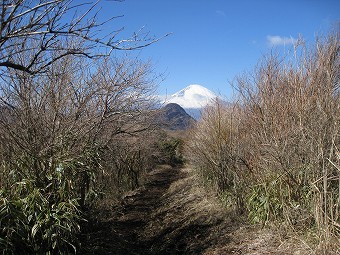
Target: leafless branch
<point>48,24</point>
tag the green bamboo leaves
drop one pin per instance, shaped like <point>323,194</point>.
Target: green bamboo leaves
<point>33,223</point>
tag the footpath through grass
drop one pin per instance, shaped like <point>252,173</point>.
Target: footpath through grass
<point>171,214</point>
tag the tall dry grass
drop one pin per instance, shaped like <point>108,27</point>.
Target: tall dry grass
<point>275,153</point>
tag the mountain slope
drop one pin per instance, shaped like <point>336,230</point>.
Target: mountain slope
<point>173,117</point>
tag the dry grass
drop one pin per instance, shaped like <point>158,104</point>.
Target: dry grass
<point>187,212</point>
<point>274,153</point>
<point>187,205</point>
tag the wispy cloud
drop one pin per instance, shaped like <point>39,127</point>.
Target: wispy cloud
<point>220,13</point>
<point>276,40</point>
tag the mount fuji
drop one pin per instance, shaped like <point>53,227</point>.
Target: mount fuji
<point>192,98</point>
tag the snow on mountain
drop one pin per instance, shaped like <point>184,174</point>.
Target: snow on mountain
<point>192,97</point>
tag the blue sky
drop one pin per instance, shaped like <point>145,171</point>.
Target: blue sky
<point>212,41</point>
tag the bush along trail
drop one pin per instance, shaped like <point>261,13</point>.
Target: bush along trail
<point>171,214</point>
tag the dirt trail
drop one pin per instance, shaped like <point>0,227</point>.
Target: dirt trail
<point>170,214</point>
<point>151,220</point>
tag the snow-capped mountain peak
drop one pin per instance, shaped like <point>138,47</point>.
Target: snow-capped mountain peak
<point>193,96</point>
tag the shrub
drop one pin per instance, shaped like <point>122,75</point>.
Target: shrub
<point>38,221</point>
<point>171,151</point>
<point>277,148</point>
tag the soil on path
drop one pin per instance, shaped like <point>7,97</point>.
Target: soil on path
<point>170,214</point>
<point>151,220</point>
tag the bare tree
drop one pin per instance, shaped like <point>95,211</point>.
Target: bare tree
<point>65,107</point>
<point>61,120</point>
<point>35,34</point>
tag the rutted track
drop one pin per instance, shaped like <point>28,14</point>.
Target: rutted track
<point>154,219</point>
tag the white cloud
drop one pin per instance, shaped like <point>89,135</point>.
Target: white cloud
<point>276,40</point>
